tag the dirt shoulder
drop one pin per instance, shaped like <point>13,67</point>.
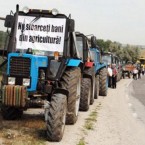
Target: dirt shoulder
<point>116,123</point>
<point>109,121</point>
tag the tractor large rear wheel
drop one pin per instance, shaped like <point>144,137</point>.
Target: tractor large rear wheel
<point>91,72</point>
<point>11,113</point>
<point>97,87</point>
<point>85,94</point>
<point>103,82</point>
<point>56,117</point>
<point>71,81</point>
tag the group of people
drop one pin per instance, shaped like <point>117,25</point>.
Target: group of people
<point>112,76</point>
<point>137,71</point>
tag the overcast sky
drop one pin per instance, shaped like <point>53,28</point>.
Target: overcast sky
<point>117,20</point>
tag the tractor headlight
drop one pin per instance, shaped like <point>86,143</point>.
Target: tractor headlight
<point>11,80</point>
<point>25,10</point>
<point>26,82</point>
<point>55,12</point>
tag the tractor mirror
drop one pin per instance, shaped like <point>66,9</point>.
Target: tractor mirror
<point>71,25</point>
<point>9,21</point>
<point>93,42</point>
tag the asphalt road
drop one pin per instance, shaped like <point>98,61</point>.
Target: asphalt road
<point>136,99</point>
<point>138,87</point>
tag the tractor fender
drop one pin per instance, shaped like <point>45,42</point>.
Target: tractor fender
<point>88,76</point>
<point>74,62</point>
<point>98,71</point>
<point>61,91</point>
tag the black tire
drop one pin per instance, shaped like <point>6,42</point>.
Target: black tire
<point>123,75</point>
<point>71,81</point>
<point>11,113</point>
<point>97,87</point>
<point>85,94</point>
<point>129,75</point>
<point>56,117</point>
<point>103,82</point>
<point>91,72</point>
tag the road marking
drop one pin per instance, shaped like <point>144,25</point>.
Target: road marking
<point>127,97</point>
<point>129,83</point>
<point>130,105</point>
<point>135,115</point>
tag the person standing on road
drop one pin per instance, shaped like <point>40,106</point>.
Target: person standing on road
<point>114,75</point>
<point>109,76</point>
<point>135,72</point>
<point>142,70</point>
<point>139,72</point>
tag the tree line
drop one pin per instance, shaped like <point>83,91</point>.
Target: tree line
<point>124,52</point>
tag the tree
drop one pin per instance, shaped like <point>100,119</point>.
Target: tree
<point>2,39</point>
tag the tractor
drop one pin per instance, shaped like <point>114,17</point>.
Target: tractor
<point>88,73</point>
<point>42,68</point>
<point>101,74</point>
<point>94,72</point>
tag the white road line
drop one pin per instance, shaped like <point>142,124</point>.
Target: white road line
<point>129,83</point>
<point>135,115</point>
<point>127,97</point>
<point>130,105</point>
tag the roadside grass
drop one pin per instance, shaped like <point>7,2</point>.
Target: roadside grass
<point>81,142</point>
<point>89,124</point>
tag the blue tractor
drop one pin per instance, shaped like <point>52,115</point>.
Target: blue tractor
<point>43,68</point>
<point>88,73</point>
<point>100,68</point>
<point>94,72</point>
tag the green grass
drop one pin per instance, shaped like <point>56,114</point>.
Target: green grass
<point>81,142</point>
<point>89,123</point>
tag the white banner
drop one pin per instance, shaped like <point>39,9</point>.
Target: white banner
<point>44,34</point>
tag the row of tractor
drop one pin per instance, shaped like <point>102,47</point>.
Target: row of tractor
<point>50,65</point>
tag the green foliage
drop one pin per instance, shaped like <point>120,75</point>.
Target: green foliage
<point>2,39</point>
<point>125,52</point>
<point>103,44</point>
<point>3,36</point>
<point>2,69</point>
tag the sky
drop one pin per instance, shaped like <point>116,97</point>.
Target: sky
<point>116,20</point>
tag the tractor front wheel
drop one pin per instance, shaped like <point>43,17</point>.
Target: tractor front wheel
<point>97,87</point>
<point>85,94</point>
<point>56,117</point>
<point>103,82</point>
